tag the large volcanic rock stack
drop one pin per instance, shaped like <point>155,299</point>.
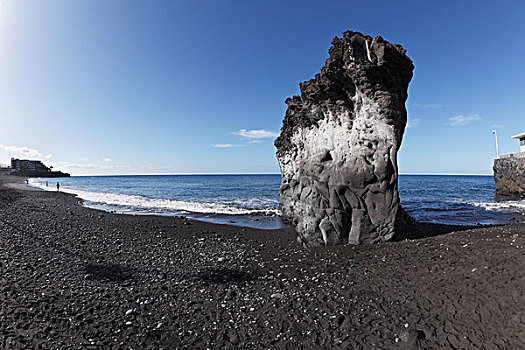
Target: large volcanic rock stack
<point>338,145</point>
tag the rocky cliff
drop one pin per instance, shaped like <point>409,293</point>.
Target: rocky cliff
<point>509,175</point>
<point>338,144</point>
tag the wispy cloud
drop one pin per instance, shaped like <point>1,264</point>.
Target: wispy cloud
<point>22,150</point>
<point>106,160</point>
<point>461,120</point>
<point>425,106</point>
<point>412,123</point>
<point>255,134</point>
<point>159,168</point>
<point>48,156</point>
<point>91,166</point>
<point>224,145</point>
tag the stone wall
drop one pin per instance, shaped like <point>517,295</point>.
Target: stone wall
<point>509,175</point>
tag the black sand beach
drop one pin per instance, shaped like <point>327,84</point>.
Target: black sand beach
<point>77,278</point>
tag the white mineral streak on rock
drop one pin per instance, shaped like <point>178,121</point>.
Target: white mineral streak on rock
<point>338,146</point>
<point>368,51</point>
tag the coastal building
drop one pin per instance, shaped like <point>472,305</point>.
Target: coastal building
<point>33,168</point>
<point>29,166</point>
<point>521,137</point>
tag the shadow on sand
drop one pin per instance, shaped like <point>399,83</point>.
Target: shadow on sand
<point>108,272</point>
<point>420,230</point>
<point>225,276</point>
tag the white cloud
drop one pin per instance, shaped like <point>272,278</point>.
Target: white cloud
<point>91,166</point>
<point>224,145</point>
<point>412,123</point>
<point>255,134</point>
<point>48,156</point>
<point>22,150</point>
<point>425,106</point>
<point>254,141</point>
<point>461,120</point>
<point>106,160</point>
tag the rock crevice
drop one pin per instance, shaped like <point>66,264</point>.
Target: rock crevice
<point>338,144</point>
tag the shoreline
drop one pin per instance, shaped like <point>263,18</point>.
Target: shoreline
<point>414,231</point>
<point>264,219</point>
<point>443,203</point>
<point>76,277</point>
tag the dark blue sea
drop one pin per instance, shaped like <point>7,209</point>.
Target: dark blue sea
<point>251,200</point>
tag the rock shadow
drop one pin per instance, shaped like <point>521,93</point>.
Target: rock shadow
<point>225,276</point>
<point>421,230</point>
<point>108,272</point>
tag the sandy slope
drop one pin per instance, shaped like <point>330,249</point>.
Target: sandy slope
<point>73,277</point>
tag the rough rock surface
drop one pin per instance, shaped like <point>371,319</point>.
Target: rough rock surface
<point>338,145</point>
<point>509,175</point>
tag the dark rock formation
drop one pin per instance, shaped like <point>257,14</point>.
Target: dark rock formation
<point>509,175</point>
<point>338,145</point>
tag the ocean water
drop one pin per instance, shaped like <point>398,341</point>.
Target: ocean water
<point>252,200</point>
<point>243,200</point>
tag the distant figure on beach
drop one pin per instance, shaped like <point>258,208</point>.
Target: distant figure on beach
<point>46,184</point>
<point>27,182</point>
<point>58,186</point>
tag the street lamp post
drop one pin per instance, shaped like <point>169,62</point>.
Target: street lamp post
<point>496,138</point>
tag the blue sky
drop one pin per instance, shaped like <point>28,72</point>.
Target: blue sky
<point>139,87</point>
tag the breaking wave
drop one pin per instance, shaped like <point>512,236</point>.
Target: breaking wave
<point>504,206</point>
<point>252,200</point>
<point>142,203</point>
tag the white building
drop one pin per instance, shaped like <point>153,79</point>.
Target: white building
<point>521,137</point>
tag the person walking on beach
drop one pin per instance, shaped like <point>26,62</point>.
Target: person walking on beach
<point>58,186</point>
<point>27,182</point>
<point>46,183</point>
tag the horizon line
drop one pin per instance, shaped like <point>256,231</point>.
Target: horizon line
<point>177,174</point>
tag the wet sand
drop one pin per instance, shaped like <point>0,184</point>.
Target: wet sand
<point>77,278</point>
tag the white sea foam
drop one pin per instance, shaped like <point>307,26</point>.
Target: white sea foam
<point>504,206</point>
<point>152,204</point>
